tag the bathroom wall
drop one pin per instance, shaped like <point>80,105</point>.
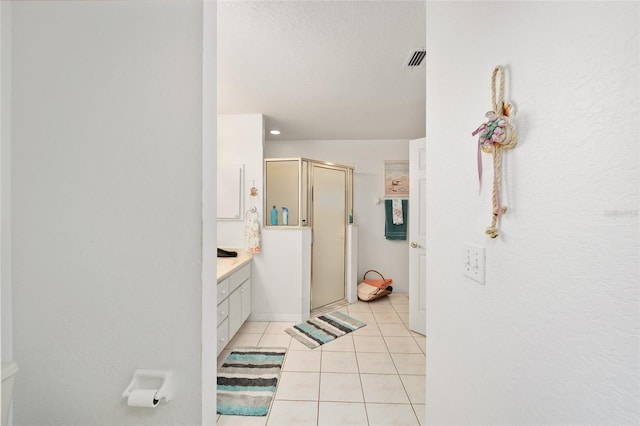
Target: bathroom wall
<point>209,203</point>
<point>241,141</point>
<point>106,207</point>
<point>374,251</point>
<point>553,335</point>
<point>5,180</point>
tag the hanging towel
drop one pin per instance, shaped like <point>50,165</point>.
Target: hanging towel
<point>252,232</point>
<point>391,231</point>
<point>397,212</point>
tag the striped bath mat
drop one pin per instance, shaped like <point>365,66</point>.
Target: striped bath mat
<point>247,380</point>
<point>323,329</point>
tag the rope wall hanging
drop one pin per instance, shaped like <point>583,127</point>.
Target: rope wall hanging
<point>497,134</point>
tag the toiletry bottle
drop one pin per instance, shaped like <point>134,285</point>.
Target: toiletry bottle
<point>285,216</point>
<point>274,216</point>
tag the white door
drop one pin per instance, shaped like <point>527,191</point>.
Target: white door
<point>329,213</point>
<point>417,235</point>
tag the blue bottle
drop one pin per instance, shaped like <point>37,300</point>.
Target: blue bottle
<point>274,216</point>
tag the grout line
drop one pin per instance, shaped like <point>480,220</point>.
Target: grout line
<point>319,388</point>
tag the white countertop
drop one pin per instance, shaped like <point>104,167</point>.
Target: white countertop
<point>228,265</point>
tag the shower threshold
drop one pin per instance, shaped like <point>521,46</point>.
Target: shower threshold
<point>329,308</point>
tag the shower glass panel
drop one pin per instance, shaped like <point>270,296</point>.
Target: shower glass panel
<point>283,190</point>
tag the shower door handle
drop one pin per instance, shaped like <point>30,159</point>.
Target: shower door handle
<point>415,245</point>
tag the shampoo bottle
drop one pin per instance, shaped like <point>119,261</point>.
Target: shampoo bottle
<point>285,216</point>
<point>274,216</point>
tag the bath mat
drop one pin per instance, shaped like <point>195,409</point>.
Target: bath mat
<point>323,329</point>
<point>247,380</point>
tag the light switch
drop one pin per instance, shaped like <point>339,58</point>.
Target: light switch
<point>474,262</point>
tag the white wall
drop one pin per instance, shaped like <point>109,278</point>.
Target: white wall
<point>5,180</point>
<point>553,336</point>
<point>106,207</point>
<point>209,202</point>
<point>281,276</point>
<point>241,141</point>
<point>374,251</point>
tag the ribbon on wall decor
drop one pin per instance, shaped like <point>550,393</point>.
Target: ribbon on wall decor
<point>498,133</point>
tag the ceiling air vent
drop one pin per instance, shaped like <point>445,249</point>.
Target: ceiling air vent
<point>415,59</point>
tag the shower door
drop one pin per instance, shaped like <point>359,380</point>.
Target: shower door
<point>329,198</point>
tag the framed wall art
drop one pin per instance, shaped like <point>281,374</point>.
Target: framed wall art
<point>396,179</point>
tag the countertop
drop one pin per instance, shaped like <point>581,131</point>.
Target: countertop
<point>228,265</point>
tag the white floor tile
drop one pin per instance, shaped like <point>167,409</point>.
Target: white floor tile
<point>391,414</point>
<point>365,317</point>
<point>342,414</point>
<point>383,388</point>
<point>420,413</point>
<point>293,413</point>
<point>394,330</point>
<point>242,339</point>
<point>387,318</point>
<point>410,363</point>
<point>339,362</point>
<point>381,305</point>
<point>398,301</point>
<point>296,345</point>
<point>371,329</point>
<point>242,421</point>
<point>253,327</point>
<point>405,345</point>
<point>375,363</point>
<point>275,340</point>
<point>341,344</point>
<point>295,386</point>
<point>370,344</point>
<point>358,307</point>
<point>340,387</point>
<point>382,364</point>
<point>415,387</point>
<point>278,327</point>
<point>399,295</point>
<point>306,361</point>
<point>404,309</point>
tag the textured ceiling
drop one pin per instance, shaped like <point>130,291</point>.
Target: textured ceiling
<point>323,69</point>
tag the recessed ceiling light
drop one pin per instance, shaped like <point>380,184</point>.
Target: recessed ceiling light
<point>275,132</point>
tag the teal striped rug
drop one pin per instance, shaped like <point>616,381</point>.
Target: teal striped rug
<point>247,380</point>
<point>323,329</point>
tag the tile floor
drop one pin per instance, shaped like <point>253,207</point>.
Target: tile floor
<point>374,376</point>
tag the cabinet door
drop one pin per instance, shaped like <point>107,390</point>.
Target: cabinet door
<point>235,312</point>
<point>223,335</point>
<point>245,291</point>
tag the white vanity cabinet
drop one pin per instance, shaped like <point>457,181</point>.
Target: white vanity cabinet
<point>234,303</point>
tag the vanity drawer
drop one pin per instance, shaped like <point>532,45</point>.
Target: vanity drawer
<point>223,335</point>
<point>223,289</point>
<point>239,277</point>
<point>223,311</point>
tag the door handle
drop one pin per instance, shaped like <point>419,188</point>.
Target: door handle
<point>415,245</point>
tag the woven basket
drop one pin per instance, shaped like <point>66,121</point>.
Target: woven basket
<point>371,289</point>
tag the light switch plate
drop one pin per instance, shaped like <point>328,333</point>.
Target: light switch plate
<point>474,262</point>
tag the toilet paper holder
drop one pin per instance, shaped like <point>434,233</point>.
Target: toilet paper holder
<point>162,380</point>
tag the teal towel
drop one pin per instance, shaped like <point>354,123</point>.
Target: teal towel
<point>391,231</point>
